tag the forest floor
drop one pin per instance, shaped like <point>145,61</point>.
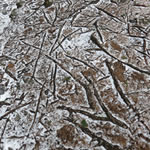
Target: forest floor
<point>75,75</point>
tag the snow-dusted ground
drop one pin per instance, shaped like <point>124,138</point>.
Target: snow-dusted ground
<point>5,9</point>
<point>77,61</point>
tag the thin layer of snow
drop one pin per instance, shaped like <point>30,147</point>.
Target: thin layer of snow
<point>11,144</point>
<point>72,43</point>
<point>4,13</point>
<point>4,22</point>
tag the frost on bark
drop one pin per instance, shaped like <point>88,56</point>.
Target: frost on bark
<point>76,74</point>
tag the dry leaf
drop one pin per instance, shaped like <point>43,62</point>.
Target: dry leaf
<point>27,31</point>
<point>11,67</point>
<point>119,139</point>
<point>119,71</point>
<point>137,76</point>
<point>115,46</point>
<point>37,146</point>
<point>66,134</point>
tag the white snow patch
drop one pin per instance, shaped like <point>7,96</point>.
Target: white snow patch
<point>11,144</point>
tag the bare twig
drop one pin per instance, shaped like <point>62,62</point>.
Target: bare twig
<point>65,37</point>
<point>14,109</point>
<point>108,13</point>
<point>10,74</point>
<point>58,36</point>
<point>101,141</point>
<point>94,68</point>
<point>97,30</point>
<point>39,55</point>
<point>108,113</point>
<point>95,41</point>
<point>3,131</point>
<point>86,87</point>
<point>54,79</point>
<point>92,116</point>
<point>125,99</point>
<point>38,104</point>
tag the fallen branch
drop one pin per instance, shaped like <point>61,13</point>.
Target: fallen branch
<point>117,86</point>
<point>108,114</point>
<point>95,41</point>
<point>13,110</point>
<point>108,13</point>
<point>54,44</point>
<point>92,116</point>
<point>39,55</point>
<point>87,89</point>
<point>100,140</point>
<point>54,78</point>
<point>94,68</point>
<point>3,131</point>
<point>38,104</point>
